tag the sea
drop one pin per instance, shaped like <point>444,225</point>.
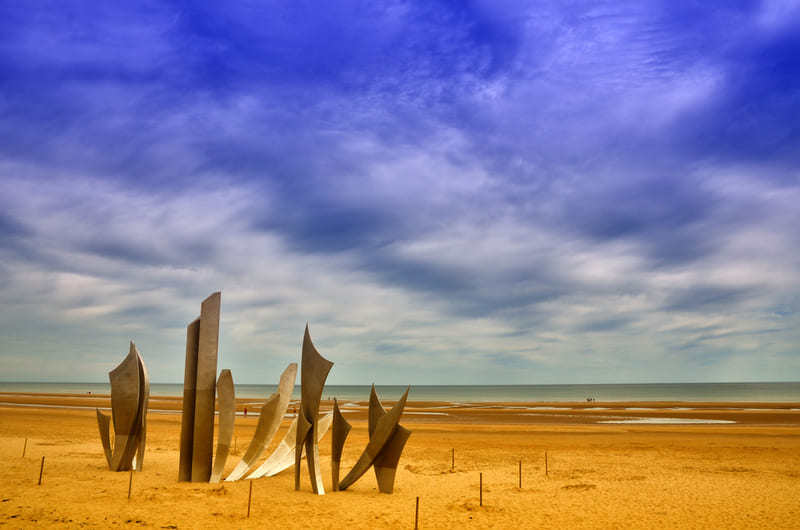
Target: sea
<point>736,392</point>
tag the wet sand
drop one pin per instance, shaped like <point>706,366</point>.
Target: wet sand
<point>670,473</point>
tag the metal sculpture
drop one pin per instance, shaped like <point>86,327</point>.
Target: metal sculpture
<point>189,394</point>
<point>268,423</point>
<point>341,428</point>
<point>130,393</point>
<point>386,441</point>
<point>226,398</point>
<point>197,425</point>
<point>315,370</point>
<point>104,422</point>
<point>283,455</point>
<point>385,464</point>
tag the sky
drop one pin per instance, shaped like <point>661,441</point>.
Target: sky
<point>490,192</point>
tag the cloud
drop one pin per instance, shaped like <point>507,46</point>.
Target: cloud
<point>591,192</point>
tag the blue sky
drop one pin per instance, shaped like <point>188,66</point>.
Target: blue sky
<point>447,192</point>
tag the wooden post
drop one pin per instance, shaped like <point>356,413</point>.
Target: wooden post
<point>130,484</point>
<point>481,489</point>
<point>41,470</point>
<point>416,516</point>
<point>453,461</point>
<point>24,447</point>
<point>545,462</point>
<point>520,474</point>
<point>249,498</point>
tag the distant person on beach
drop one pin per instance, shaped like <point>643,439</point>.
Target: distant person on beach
<point>245,412</point>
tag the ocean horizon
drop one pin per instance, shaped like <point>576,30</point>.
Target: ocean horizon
<point>736,392</point>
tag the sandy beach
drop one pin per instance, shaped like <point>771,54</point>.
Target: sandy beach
<point>581,465</point>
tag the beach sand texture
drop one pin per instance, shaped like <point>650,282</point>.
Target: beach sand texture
<point>599,475</point>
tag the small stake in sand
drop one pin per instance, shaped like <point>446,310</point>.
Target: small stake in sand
<point>520,474</point>
<point>41,469</point>
<point>480,501</point>
<point>545,463</point>
<point>24,447</point>
<point>416,516</point>
<point>249,498</point>
<point>453,461</point>
<point>130,484</point>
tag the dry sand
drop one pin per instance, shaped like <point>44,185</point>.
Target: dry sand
<point>599,475</point>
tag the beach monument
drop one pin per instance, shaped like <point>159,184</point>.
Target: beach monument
<point>283,455</point>
<point>340,430</point>
<point>387,438</point>
<point>314,371</point>
<point>385,464</point>
<point>130,392</point>
<point>199,385</point>
<point>226,399</point>
<point>269,421</point>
